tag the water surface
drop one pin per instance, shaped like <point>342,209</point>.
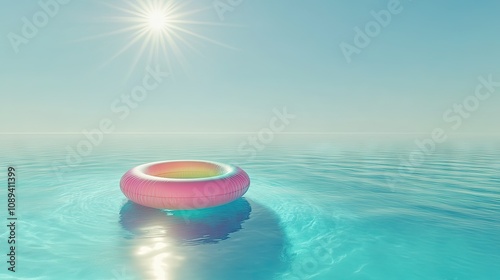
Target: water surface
<point>316,209</point>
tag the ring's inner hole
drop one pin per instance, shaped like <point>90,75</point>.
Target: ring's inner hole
<point>185,170</point>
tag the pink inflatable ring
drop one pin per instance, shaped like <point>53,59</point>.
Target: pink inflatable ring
<point>188,184</point>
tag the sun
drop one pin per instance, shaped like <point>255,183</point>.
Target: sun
<point>161,30</point>
<point>157,20</point>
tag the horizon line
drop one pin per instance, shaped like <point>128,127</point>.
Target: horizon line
<point>241,133</point>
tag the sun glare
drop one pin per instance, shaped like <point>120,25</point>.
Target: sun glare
<point>157,20</point>
<point>159,30</point>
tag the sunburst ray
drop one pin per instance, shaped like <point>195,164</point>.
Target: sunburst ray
<point>159,30</point>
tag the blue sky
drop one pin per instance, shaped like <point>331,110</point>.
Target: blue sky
<point>284,54</point>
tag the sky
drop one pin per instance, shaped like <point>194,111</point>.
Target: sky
<point>234,64</point>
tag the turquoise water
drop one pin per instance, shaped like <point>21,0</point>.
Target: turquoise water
<point>316,209</point>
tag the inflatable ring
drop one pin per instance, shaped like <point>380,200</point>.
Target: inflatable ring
<point>183,185</point>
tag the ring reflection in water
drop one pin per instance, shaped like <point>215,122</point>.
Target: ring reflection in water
<point>226,242</point>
